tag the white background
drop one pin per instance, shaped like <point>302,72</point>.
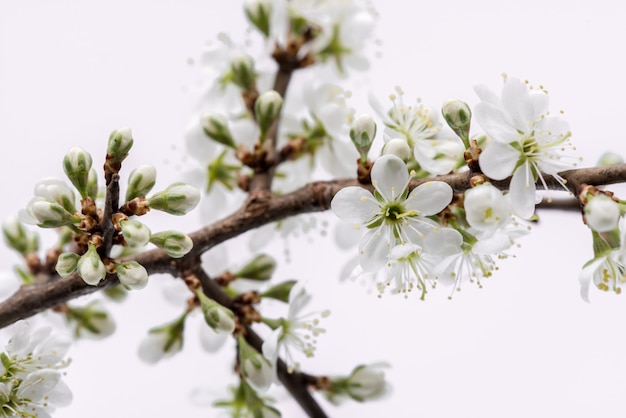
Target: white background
<point>524,345</point>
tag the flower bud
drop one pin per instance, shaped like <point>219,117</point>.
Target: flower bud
<point>258,13</point>
<point>362,133</point>
<point>92,184</point>
<point>76,164</point>
<point>242,69</point>
<point>398,147</point>
<point>135,233</point>
<point>215,126</point>
<point>176,244</point>
<point>610,158</point>
<point>366,382</point>
<point>19,238</point>
<point>256,369</point>
<point>66,264</point>
<point>280,291</point>
<point>218,317</point>
<point>259,268</point>
<point>486,208</point>
<point>132,275</point>
<point>458,116</point>
<point>92,321</point>
<point>163,341</point>
<point>120,142</point>
<point>267,108</point>
<point>46,214</point>
<point>140,181</point>
<point>602,213</point>
<point>54,190</point>
<point>90,267</point>
<point>176,199</point>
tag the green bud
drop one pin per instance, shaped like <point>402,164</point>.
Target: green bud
<point>258,13</point>
<point>136,234</point>
<point>92,321</point>
<point>218,317</point>
<point>132,275</point>
<point>259,268</point>
<point>120,142</point>
<point>256,369</point>
<point>66,264</point>
<point>163,341</point>
<point>458,116</point>
<point>215,126</point>
<point>267,108</point>
<point>92,184</point>
<point>610,158</point>
<point>398,147</point>
<point>140,181</point>
<point>77,164</point>
<point>47,214</point>
<point>90,267</point>
<point>176,244</point>
<point>362,133</point>
<point>280,291</point>
<point>57,191</point>
<point>176,199</point>
<point>19,238</point>
<point>242,68</point>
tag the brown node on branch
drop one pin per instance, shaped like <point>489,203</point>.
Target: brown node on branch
<point>225,278</point>
<point>52,256</point>
<point>249,98</point>
<point>364,171</point>
<point>33,263</point>
<point>293,149</point>
<point>471,157</point>
<point>111,166</point>
<point>137,206</point>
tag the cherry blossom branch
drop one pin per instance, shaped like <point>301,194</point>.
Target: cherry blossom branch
<point>296,383</point>
<point>260,209</point>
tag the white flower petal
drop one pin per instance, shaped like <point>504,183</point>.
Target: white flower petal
<point>498,160</point>
<point>390,176</point>
<point>373,250</point>
<point>354,205</point>
<point>523,192</point>
<point>429,198</point>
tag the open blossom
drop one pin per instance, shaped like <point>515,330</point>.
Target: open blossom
<point>30,383</point>
<point>392,215</point>
<point>297,332</point>
<point>418,126</point>
<point>526,140</point>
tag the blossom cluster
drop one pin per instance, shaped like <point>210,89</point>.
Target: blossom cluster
<point>31,384</point>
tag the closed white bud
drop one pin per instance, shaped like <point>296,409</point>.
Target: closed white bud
<point>66,264</point>
<point>132,275</point>
<point>120,142</point>
<point>256,369</point>
<point>610,158</point>
<point>362,133</point>
<point>215,126</point>
<point>218,317</point>
<point>46,214</point>
<point>486,208</point>
<point>90,267</point>
<point>136,234</point>
<point>258,13</point>
<point>176,244</point>
<point>602,213</point>
<point>176,199</point>
<point>140,181</point>
<point>54,190</point>
<point>367,382</point>
<point>398,147</point>
<point>243,75</point>
<point>77,164</point>
<point>267,108</point>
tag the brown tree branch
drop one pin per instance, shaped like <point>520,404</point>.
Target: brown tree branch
<point>296,383</point>
<point>257,211</point>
